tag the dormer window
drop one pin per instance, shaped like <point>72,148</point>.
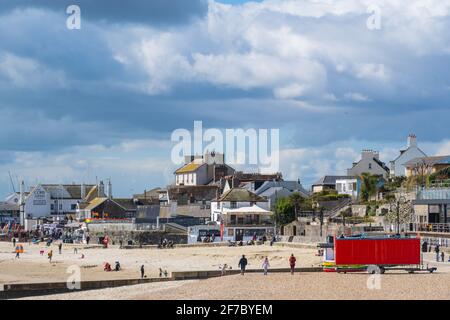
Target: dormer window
<point>370,166</point>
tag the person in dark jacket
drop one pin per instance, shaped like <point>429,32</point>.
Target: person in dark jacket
<point>436,249</point>
<point>142,272</point>
<point>243,264</point>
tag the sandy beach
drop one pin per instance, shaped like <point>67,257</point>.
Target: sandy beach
<point>304,286</point>
<point>32,267</point>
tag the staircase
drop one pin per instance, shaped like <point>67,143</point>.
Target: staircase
<point>346,204</point>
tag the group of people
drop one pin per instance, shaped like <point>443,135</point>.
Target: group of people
<point>439,254</point>
<point>243,262</point>
<point>207,239</point>
<point>107,267</point>
<point>165,244</point>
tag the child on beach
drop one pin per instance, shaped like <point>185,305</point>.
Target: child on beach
<point>50,255</point>
<point>266,265</point>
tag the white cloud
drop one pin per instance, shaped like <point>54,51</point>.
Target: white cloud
<point>372,71</point>
<point>356,96</point>
<point>28,73</point>
<point>131,165</point>
<point>275,45</point>
<point>443,149</point>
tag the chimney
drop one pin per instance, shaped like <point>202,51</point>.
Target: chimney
<point>22,203</point>
<point>101,189</point>
<point>412,141</point>
<point>83,191</point>
<point>109,189</point>
<point>369,154</point>
<point>21,193</point>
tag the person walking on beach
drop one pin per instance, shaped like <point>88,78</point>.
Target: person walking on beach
<point>88,238</point>
<point>223,269</point>
<point>75,250</point>
<point>436,249</point>
<point>442,256</point>
<point>50,255</point>
<point>266,265</point>
<point>242,264</point>
<point>292,261</point>
<point>14,242</point>
<point>142,272</point>
<point>60,248</point>
<point>17,252</point>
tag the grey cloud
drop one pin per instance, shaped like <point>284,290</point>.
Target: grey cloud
<point>151,12</point>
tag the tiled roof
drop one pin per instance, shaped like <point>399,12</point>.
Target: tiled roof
<point>190,167</point>
<point>67,191</point>
<point>199,193</point>
<point>241,195</point>
<point>428,160</point>
<point>330,180</point>
<point>95,203</point>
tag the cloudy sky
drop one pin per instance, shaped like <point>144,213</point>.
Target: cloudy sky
<point>103,101</point>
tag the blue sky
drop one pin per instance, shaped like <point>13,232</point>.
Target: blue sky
<point>103,101</point>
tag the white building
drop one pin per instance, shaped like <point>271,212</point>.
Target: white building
<point>58,200</point>
<point>370,163</point>
<point>242,224</point>
<point>243,214</point>
<point>202,170</point>
<point>349,186</point>
<point>412,151</point>
<point>236,198</point>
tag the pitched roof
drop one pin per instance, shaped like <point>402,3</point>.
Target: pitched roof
<point>95,203</point>
<point>381,164</point>
<point>428,160</point>
<point>199,193</point>
<point>251,210</point>
<point>66,191</point>
<point>330,180</point>
<point>190,167</point>
<point>148,194</point>
<point>9,207</point>
<point>241,195</point>
<point>403,151</point>
<point>293,186</point>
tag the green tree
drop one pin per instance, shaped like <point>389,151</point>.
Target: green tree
<point>368,186</point>
<point>284,211</point>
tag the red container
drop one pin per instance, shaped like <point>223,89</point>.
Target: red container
<point>377,251</point>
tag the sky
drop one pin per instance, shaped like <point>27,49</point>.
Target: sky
<point>102,102</point>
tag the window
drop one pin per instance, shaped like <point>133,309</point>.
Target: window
<point>52,207</point>
<point>370,166</point>
<point>233,205</point>
<point>60,206</point>
<point>73,207</point>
